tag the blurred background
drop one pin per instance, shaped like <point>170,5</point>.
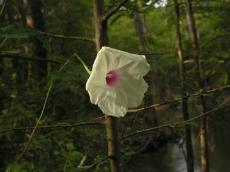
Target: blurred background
<point>38,69</point>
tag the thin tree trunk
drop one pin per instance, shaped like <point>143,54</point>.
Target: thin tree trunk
<point>24,65</point>
<point>204,120</point>
<point>34,19</point>
<point>101,39</point>
<point>185,113</point>
<point>2,107</point>
<point>10,16</point>
<point>150,117</point>
<point>140,30</point>
<point>1,66</point>
<point>111,124</point>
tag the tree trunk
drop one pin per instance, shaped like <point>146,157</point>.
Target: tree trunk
<point>15,62</point>
<point>34,19</point>
<point>101,39</point>
<point>140,30</point>
<point>185,113</point>
<point>1,66</point>
<point>111,125</point>
<point>150,118</point>
<point>204,120</point>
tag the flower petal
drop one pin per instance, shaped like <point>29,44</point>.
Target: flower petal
<point>135,64</point>
<point>133,87</point>
<point>96,93</point>
<point>111,108</point>
<point>114,103</point>
<point>96,79</point>
<point>127,70</point>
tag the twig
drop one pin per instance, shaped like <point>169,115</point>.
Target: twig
<point>204,61</point>
<point>180,99</point>
<point>23,57</point>
<point>156,54</point>
<point>55,126</point>
<point>66,37</point>
<point>173,124</point>
<point>83,63</point>
<point>82,166</point>
<point>3,7</point>
<point>3,42</point>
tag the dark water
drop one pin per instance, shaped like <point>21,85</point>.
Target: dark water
<point>171,159</point>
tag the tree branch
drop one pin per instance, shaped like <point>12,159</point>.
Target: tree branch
<point>174,124</point>
<point>114,9</point>
<point>23,57</point>
<point>54,126</point>
<point>203,93</point>
<point>87,167</point>
<point>204,61</point>
<point>67,37</point>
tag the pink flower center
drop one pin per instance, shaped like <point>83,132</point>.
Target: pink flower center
<point>112,78</point>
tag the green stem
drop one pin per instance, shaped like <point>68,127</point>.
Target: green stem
<point>83,63</point>
<point>40,117</point>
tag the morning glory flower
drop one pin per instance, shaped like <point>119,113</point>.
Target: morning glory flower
<point>116,82</point>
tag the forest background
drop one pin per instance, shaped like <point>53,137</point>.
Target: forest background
<point>42,80</point>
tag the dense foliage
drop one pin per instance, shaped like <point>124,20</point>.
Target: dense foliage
<point>62,142</point>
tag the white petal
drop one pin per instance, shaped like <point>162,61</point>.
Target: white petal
<point>114,102</point>
<point>134,88</point>
<point>111,108</point>
<point>137,68</point>
<point>96,79</point>
<point>116,99</point>
<point>99,71</point>
<point>97,93</point>
<point>135,64</point>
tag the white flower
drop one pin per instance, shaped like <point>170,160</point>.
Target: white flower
<point>116,82</point>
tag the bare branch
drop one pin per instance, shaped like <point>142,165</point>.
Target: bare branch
<point>55,126</point>
<point>204,61</point>
<point>114,9</point>
<point>174,124</point>
<point>203,93</point>
<point>67,37</point>
<point>24,57</point>
<point>3,42</point>
<point>86,167</point>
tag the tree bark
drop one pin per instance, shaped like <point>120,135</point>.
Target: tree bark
<point>204,120</point>
<point>184,103</point>
<point>111,125</point>
<point>1,66</point>
<point>35,19</point>
<point>101,39</point>
<point>150,117</point>
<point>140,30</point>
